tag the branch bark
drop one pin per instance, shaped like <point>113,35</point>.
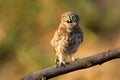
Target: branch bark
<point>87,62</point>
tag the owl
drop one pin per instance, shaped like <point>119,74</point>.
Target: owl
<point>67,37</point>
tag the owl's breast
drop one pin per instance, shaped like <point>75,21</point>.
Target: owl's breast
<point>67,42</point>
<point>73,42</point>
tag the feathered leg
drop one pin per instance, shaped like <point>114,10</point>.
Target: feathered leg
<point>59,60</point>
<point>72,57</point>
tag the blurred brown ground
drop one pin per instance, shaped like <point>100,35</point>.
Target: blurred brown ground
<point>27,26</point>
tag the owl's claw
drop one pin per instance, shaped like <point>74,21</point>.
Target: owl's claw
<point>77,59</point>
<point>73,59</point>
<point>59,64</point>
<point>59,61</point>
<point>62,64</point>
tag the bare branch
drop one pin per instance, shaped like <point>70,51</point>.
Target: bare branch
<point>75,65</point>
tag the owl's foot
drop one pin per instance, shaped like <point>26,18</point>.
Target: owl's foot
<point>62,64</point>
<point>59,64</point>
<point>77,59</point>
<point>59,61</point>
<point>72,58</point>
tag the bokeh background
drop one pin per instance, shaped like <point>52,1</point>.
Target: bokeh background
<point>27,26</point>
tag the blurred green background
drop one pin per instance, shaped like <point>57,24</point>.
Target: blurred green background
<point>27,26</point>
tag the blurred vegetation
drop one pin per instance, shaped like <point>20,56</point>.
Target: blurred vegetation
<point>27,26</point>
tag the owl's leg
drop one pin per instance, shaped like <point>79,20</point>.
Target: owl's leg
<point>56,61</point>
<point>59,61</point>
<point>72,57</point>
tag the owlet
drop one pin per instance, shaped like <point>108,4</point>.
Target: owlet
<point>67,37</point>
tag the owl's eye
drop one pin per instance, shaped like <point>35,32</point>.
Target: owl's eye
<point>64,17</point>
<point>74,18</point>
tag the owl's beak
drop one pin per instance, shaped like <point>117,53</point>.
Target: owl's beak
<point>69,21</point>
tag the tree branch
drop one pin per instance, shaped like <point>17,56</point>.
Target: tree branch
<point>74,65</point>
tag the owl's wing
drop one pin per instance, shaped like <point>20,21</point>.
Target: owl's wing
<point>55,38</point>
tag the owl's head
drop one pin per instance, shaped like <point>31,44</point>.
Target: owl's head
<point>70,19</point>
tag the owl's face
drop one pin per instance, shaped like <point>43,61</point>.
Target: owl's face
<point>70,19</point>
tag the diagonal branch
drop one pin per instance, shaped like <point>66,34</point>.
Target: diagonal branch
<point>75,65</point>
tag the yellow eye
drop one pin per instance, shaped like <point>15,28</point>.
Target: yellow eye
<point>64,17</point>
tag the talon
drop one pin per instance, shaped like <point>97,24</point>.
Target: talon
<point>77,59</point>
<point>62,64</point>
<point>59,61</point>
